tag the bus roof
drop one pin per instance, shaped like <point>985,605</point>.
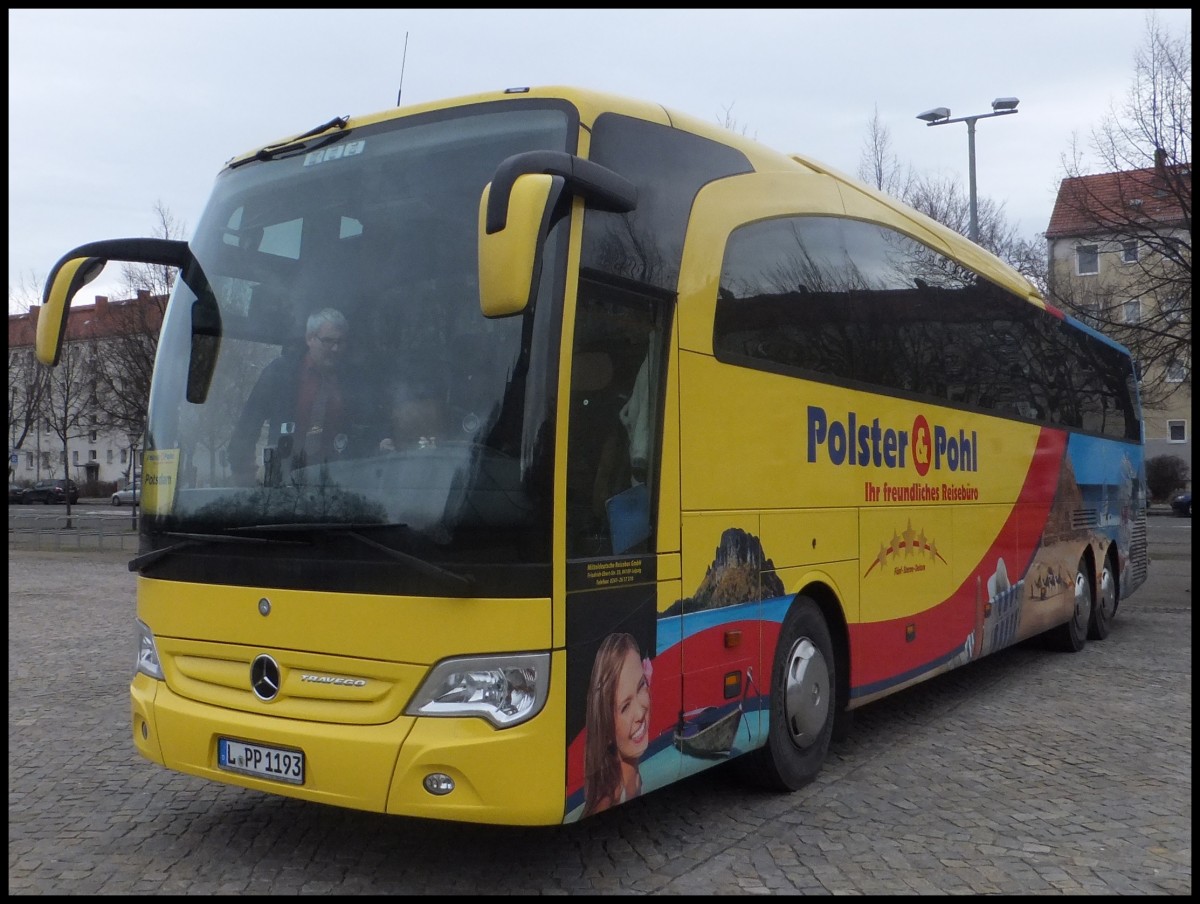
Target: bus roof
<point>591,104</point>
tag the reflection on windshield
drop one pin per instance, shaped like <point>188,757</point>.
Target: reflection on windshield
<point>353,378</point>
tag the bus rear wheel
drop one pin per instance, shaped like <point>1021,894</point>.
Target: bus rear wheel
<point>1071,636</point>
<point>803,690</point>
<point>1105,607</point>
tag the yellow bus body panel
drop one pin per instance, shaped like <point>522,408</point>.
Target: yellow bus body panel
<point>346,624</point>
<point>514,776</point>
<point>361,750</point>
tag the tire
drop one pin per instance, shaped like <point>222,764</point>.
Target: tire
<point>1105,607</point>
<point>1072,636</point>
<point>803,704</point>
<point>116,500</point>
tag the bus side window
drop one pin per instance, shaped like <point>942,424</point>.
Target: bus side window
<point>597,451</point>
<point>614,422</point>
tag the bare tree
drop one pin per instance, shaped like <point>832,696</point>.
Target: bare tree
<point>879,166</point>
<point>727,121</point>
<point>26,393</point>
<point>1145,144</point>
<point>1031,260</point>
<point>124,362</point>
<point>70,398</point>
<point>26,378</point>
<point>26,294</point>
<point>156,280</point>
<point>944,200</point>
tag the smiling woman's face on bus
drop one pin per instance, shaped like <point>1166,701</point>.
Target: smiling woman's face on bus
<point>631,709</point>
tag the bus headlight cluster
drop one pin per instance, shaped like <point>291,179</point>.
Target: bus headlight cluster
<point>504,689</point>
<point>147,652</point>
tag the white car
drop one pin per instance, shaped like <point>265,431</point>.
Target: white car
<point>126,496</point>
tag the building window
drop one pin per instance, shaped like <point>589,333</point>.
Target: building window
<point>1177,431</point>
<point>124,456</point>
<point>1089,313</point>
<point>1176,372</point>
<point>92,436</point>
<point>75,457</point>
<point>108,456</point>
<point>1129,251</point>
<point>1172,308</point>
<point>1133,311</point>
<point>1087,260</point>
<point>28,461</point>
<point>93,455</point>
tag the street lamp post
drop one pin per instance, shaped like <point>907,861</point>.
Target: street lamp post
<point>940,116</point>
<point>133,478</point>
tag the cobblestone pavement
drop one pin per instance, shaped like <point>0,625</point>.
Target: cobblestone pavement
<point>1027,772</point>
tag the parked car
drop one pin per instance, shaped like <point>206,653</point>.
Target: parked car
<point>15,493</point>
<point>128,495</point>
<point>50,491</point>
<point>1181,504</point>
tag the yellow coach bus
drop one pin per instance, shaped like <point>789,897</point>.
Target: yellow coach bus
<point>512,456</point>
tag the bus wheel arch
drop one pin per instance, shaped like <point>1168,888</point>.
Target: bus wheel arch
<point>805,698</point>
<point>1106,597</point>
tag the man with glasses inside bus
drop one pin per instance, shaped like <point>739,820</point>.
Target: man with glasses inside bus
<point>303,399</point>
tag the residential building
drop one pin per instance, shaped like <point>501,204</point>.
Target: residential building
<point>96,453</point>
<point>1119,249</point>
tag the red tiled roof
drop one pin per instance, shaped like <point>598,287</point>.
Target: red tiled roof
<point>101,320</point>
<point>1090,205</point>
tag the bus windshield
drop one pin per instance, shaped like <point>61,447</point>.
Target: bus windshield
<point>324,368</point>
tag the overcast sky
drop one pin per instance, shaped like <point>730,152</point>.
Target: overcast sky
<point>114,111</point>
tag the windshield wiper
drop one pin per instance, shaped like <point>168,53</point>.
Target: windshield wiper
<point>354,531</point>
<point>315,525</point>
<point>137,563</point>
<point>292,144</point>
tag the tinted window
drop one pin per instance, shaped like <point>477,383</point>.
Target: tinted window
<point>668,167</point>
<point>861,305</point>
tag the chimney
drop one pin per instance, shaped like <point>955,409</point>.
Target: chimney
<point>101,307</point>
<point>1160,163</point>
<point>143,294</point>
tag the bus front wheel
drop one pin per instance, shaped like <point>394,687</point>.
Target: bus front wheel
<point>802,710</point>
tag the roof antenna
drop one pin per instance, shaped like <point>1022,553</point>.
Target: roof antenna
<point>402,60</point>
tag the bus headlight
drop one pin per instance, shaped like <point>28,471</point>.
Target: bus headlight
<point>147,653</point>
<point>504,689</point>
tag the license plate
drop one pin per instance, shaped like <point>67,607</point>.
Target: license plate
<point>273,763</point>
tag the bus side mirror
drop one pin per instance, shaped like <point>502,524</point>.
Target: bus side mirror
<point>206,343</point>
<point>77,268</point>
<point>69,275</point>
<point>515,214</point>
<point>510,259</point>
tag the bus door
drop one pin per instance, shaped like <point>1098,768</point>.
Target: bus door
<point>614,436</point>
